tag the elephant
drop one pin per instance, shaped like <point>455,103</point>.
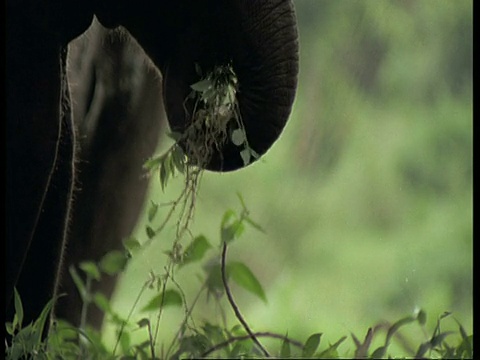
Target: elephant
<point>55,177</point>
<point>119,117</point>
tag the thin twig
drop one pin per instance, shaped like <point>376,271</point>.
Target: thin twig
<point>235,307</point>
<point>168,275</point>
<point>152,343</point>
<point>122,327</point>
<point>185,320</point>
<point>245,337</point>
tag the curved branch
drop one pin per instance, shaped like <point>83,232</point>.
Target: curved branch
<point>235,307</point>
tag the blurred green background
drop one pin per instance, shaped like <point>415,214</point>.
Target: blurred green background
<point>366,198</point>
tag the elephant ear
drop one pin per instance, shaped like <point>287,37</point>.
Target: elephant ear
<point>258,40</point>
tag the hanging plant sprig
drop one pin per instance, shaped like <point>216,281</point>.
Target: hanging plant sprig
<point>216,116</point>
<point>214,120</point>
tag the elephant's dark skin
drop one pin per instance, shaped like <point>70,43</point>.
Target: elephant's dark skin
<point>119,116</point>
<point>258,37</point>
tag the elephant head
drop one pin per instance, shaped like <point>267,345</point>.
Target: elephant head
<point>258,40</point>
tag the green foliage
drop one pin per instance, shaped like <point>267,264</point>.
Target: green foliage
<point>375,172</point>
<point>206,339</point>
<point>167,298</point>
<point>243,276</point>
<point>27,341</point>
<point>311,345</point>
<point>113,262</point>
<point>196,250</point>
<point>215,120</point>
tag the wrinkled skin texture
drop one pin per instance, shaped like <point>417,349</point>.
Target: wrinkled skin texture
<point>49,162</point>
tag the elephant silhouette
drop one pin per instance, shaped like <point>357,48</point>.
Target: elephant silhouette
<point>83,113</point>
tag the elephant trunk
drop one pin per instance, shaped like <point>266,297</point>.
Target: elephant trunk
<point>260,41</point>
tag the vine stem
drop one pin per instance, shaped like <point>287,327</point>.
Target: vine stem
<point>235,307</point>
<point>245,337</point>
<point>124,323</point>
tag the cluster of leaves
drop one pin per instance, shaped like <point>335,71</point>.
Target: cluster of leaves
<point>198,340</point>
<point>434,347</point>
<point>210,340</point>
<point>215,119</point>
<point>216,116</point>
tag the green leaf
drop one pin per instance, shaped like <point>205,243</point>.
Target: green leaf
<point>90,269</point>
<point>254,154</point>
<point>238,137</point>
<point>285,350</point>
<point>246,155</point>
<point>214,333</point>
<point>202,85</point>
<point>438,339</point>
<point>465,349</point>
<point>39,324</point>
<point>23,343</point>
<point>152,211</point>
<point>311,345</point>
<point>102,302</point>
<point>169,298</point>
<point>143,322</point>
<point>397,325</point>
<point>332,352</point>
<point>150,232</point>
<point>244,277</point>
<point>233,231</point>
<point>422,349</point>
<point>18,309</point>
<point>379,353</point>
<point>164,174</point>
<point>238,330</point>
<point>132,245</point>
<point>78,283</point>
<point>214,280</point>
<point>422,317</point>
<point>462,330</point>
<point>178,158</point>
<point>153,163</point>
<point>125,342</point>
<point>196,250</point>
<point>113,262</point>
<point>208,96</point>
<point>193,345</point>
<point>10,327</point>
<point>240,350</point>
<point>230,228</point>
<point>170,165</point>
<point>227,216</point>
